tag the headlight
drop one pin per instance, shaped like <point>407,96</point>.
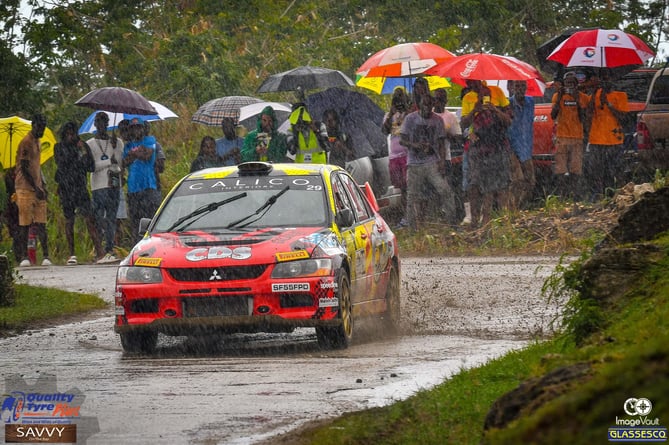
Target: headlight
<point>318,267</point>
<point>138,275</point>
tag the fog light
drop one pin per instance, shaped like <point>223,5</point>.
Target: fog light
<point>263,309</point>
<point>170,313</point>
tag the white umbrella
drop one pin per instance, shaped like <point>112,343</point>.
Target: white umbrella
<point>114,118</point>
<point>248,113</point>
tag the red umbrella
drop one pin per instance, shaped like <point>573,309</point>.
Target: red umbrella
<point>601,48</point>
<point>480,66</point>
<point>405,59</point>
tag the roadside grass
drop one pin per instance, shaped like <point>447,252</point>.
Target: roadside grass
<point>628,357</point>
<point>42,304</point>
<point>539,231</point>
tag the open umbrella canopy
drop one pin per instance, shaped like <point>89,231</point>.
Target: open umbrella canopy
<point>12,130</point>
<point>117,100</point>
<point>305,78</point>
<point>114,118</point>
<point>482,66</point>
<point>386,85</point>
<point>601,48</point>
<point>361,119</point>
<point>213,112</point>
<point>404,59</point>
<point>248,114</point>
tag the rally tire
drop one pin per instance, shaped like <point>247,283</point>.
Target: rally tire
<point>339,337</point>
<point>392,317</point>
<point>139,341</point>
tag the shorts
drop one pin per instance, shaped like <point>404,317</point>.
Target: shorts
<point>31,209</point>
<point>569,156</point>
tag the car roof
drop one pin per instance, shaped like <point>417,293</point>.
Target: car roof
<point>257,168</point>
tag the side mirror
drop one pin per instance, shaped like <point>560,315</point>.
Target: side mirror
<point>344,218</point>
<point>144,225</point>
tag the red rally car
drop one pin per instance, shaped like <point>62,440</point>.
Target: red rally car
<point>259,247</point>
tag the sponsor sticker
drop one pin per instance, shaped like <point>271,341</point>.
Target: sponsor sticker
<point>291,256</point>
<point>146,261</point>
<point>291,287</point>
<point>328,302</point>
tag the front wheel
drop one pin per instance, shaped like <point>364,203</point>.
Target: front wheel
<point>139,341</point>
<point>339,337</point>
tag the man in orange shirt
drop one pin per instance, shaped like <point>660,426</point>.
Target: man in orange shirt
<point>605,114</point>
<point>569,106</point>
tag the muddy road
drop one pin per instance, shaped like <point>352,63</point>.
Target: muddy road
<point>457,313</point>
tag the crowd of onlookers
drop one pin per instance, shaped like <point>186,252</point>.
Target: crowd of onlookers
<point>494,128</point>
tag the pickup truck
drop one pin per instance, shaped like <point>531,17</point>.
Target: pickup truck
<point>652,128</point>
<point>635,84</point>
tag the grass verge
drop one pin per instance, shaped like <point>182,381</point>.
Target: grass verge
<point>35,305</point>
<point>628,356</point>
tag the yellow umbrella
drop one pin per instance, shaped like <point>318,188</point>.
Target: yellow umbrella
<point>386,85</point>
<point>12,131</point>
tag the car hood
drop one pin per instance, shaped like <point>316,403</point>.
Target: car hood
<point>262,246</point>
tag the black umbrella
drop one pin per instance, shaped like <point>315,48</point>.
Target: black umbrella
<point>361,119</point>
<point>304,78</point>
<point>117,100</point>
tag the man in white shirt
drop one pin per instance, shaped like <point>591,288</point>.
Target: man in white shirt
<point>107,153</point>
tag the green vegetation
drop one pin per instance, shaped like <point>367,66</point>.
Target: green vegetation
<point>35,305</point>
<point>627,352</point>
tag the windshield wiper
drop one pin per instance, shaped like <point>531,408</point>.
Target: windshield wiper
<point>270,201</point>
<point>201,211</point>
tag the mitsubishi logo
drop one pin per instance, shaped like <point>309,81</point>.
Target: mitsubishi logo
<point>215,276</point>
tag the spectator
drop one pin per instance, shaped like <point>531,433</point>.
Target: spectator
<point>306,137</point>
<point>605,115</point>
<point>159,167</point>
<point>489,157</point>
<point>521,137</point>
<point>392,122</point>
<point>419,90</point>
<point>451,124</point>
<point>229,147</point>
<point>423,134</point>
<point>568,112</point>
<point>265,143</point>
<point>470,100</point>
<point>11,212</point>
<point>139,157</point>
<point>74,161</point>
<point>106,182</point>
<point>340,151</point>
<point>207,156</point>
<point>31,193</point>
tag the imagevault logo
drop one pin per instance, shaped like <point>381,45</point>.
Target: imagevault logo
<point>638,428</point>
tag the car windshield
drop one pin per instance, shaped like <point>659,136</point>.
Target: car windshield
<point>295,201</point>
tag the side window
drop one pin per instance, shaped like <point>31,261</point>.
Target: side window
<point>359,206</point>
<point>660,93</point>
<point>340,197</point>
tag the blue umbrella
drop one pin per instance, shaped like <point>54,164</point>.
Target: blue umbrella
<point>114,118</point>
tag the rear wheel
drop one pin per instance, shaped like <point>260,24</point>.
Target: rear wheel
<point>392,316</point>
<point>139,341</point>
<point>339,337</point>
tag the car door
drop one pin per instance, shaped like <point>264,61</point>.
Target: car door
<point>363,239</point>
